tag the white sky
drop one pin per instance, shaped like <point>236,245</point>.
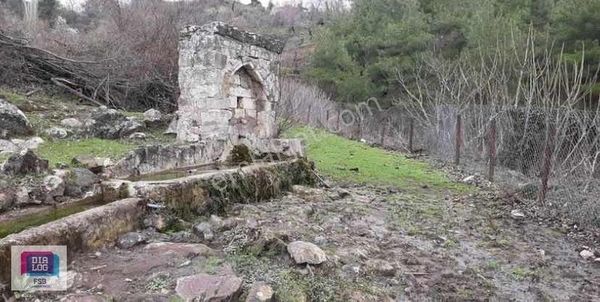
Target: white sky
<point>76,3</point>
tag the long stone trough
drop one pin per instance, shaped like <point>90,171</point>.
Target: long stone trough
<point>192,196</point>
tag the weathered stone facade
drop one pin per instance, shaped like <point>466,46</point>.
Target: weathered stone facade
<point>228,83</point>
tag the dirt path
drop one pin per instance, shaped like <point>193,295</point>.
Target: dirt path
<point>382,245</point>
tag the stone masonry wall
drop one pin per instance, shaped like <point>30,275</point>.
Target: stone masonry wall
<point>228,83</point>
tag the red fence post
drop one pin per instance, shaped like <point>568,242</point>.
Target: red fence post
<point>492,150</point>
<point>547,164</point>
<point>458,139</point>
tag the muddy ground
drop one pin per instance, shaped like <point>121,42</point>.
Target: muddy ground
<point>382,244</point>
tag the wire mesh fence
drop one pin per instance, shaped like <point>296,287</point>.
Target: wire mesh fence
<point>550,156</point>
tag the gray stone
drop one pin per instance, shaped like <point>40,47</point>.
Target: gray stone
<point>13,121</point>
<point>53,186</point>
<point>22,196</point>
<point>57,132</point>
<point>25,162</point>
<point>204,231</point>
<point>138,136</point>
<point>8,146</point>
<point>260,292</point>
<point>153,118</point>
<point>130,240</point>
<point>32,143</point>
<point>94,164</point>
<point>305,252</point>
<point>586,254</point>
<point>72,123</point>
<point>380,267</point>
<point>7,199</point>
<point>203,287</point>
<point>111,124</point>
<point>172,128</point>
<point>517,214</point>
<point>80,181</point>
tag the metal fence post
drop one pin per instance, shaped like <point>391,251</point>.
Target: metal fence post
<point>492,150</point>
<point>547,164</point>
<point>458,139</point>
<point>411,131</point>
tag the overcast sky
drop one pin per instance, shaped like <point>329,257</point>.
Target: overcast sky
<point>75,3</point>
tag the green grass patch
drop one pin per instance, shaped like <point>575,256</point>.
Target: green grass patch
<point>4,157</point>
<point>12,97</point>
<point>63,151</point>
<point>346,160</point>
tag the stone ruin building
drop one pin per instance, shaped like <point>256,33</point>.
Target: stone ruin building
<point>228,82</point>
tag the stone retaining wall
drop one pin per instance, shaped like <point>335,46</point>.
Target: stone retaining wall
<point>87,230</point>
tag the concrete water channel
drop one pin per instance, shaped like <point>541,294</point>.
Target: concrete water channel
<point>121,205</point>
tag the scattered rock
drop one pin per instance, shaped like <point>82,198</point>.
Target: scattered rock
<point>94,164</point>
<point>72,123</point>
<point>153,118</point>
<point>306,252</point>
<point>138,136</point>
<point>111,124</point>
<point>13,121</point>
<point>79,181</point>
<point>32,143</point>
<point>260,292</point>
<point>130,240</point>
<point>57,132</point>
<point>172,128</point>
<point>53,186</point>
<point>23,163</point>
<point>7,200</point>
<point>203,287</point>
<point>157,221</point>
<point>380,267</point>
<point>187,249</point>
<point>586,254</point>
<point>517,214</point>
<point>8,146</point>
<point>472,180</point>
<point>22,196</point>
<point>204,231</point>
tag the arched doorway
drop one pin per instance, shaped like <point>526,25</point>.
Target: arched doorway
<point>248,101</point>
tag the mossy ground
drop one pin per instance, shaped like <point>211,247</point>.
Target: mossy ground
<point>351,161</point>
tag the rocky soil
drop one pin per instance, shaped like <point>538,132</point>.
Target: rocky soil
<point>359,243</point>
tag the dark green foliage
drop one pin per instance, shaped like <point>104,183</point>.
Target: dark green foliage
<point>363,53</point>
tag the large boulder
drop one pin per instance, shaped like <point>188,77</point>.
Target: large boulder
<point>54,186</point>
<point>79,181</point>
<point>111,124</point>
<point>306,252</point>
<point>12,121</point>
<point>24,163</point>
<point>203,287</point>
<point>92,163</point>
<point>8,146</point>
<point>57,132</point>
<point>153,118</point>
<point>7,199</point>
